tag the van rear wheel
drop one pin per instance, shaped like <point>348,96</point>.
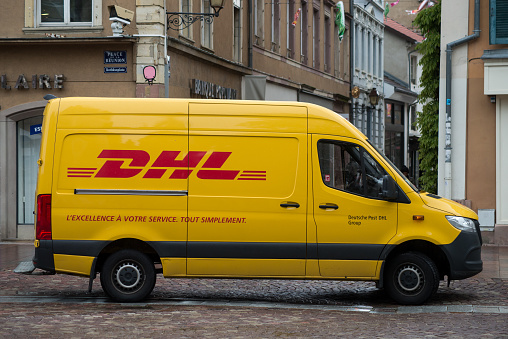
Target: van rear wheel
<point>411,278</point>
<point>128,276</point>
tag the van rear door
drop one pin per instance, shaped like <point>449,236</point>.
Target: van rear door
<point>121,170</point>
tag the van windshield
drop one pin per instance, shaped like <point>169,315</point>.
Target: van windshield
<point>395,168</point>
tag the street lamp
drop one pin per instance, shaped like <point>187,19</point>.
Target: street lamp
<point>180,20</point>
<point>374,97</point>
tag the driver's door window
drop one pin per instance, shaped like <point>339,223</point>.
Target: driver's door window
<point>350,168</point>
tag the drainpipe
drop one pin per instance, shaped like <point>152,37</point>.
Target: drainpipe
<point>448,124</point>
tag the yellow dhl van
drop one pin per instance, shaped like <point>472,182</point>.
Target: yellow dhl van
<point>129,188</point>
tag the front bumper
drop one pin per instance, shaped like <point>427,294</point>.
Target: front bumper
<point>464,255</point>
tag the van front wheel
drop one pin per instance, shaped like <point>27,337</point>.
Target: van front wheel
<point>128,276</point>
<point>411,278</point>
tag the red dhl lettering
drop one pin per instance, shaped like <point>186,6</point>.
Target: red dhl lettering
<point>130,163</point>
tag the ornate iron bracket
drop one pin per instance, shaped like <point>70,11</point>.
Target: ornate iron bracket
<point>178,21</point>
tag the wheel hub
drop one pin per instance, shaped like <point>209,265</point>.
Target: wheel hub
<point>410,278</point>
<point>128,275</point>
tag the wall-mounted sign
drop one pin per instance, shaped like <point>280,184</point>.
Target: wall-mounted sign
<point>115,57</point>
<point>35,129</point>
<point>38,81</point>
<point>115,69</point>
<point>211,91</point>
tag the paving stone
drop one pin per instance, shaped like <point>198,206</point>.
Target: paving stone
<point>60,306</point>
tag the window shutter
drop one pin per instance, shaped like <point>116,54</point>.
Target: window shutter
<point>498,22</point>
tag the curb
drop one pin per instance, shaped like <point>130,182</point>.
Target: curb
<point>220,303</point>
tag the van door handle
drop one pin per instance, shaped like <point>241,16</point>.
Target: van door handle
<point>290,204</point>
<point>329,206</point>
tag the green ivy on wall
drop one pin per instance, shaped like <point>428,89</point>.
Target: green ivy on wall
<point>429,22</point>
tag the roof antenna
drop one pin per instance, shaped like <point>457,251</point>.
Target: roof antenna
<point>50,96</point>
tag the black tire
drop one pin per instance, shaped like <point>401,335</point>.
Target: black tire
<point>411,278</point>
<point>128,276</point>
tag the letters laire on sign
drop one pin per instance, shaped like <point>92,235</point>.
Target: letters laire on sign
<point>43,81</point>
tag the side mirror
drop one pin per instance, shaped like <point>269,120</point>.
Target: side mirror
<point>390,190</point>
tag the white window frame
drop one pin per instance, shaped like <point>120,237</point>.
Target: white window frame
<point>66,22</point>
<point>206,9</point>
<point>187,31</point>
<point>237,41</point>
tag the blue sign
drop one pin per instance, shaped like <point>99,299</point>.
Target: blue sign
<point>115,57</point>
<point>115,69</point>
<point>36,129</point>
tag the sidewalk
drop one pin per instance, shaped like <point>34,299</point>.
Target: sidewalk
<point>12,253</point>
<point>495,262</point>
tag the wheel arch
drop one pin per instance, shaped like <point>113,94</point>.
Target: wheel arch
<point>126,243</point>
<point>434,252</point>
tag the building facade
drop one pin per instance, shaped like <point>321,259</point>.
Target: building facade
<point>253,50</point>
<point>57,49</point>
<point>473,111</point>
<point>401,89</point>
<point>367,69</point>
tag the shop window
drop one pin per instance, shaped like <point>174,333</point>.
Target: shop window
<point>29,140</point>
<point>65,12</point>
<point>350,168</point>
<point>206,28</point>
<point>394,149</point>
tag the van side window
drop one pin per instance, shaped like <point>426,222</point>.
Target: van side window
<point>350,168</point>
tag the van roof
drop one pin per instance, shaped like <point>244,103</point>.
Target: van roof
<point>319,117</point>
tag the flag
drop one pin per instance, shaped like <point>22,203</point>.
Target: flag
<point>340,20</point>
<point>297,15</point>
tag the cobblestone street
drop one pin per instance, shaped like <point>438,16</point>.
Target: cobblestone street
<point>59,305</point>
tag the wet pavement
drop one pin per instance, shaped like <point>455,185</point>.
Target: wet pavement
<point>487,289</point>
<point>59,305</point>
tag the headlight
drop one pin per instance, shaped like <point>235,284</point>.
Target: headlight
<point>461,223</point>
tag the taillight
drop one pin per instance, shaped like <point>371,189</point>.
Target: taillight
<point>43,225</point>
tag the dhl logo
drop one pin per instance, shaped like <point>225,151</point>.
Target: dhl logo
<point>166,161</point>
